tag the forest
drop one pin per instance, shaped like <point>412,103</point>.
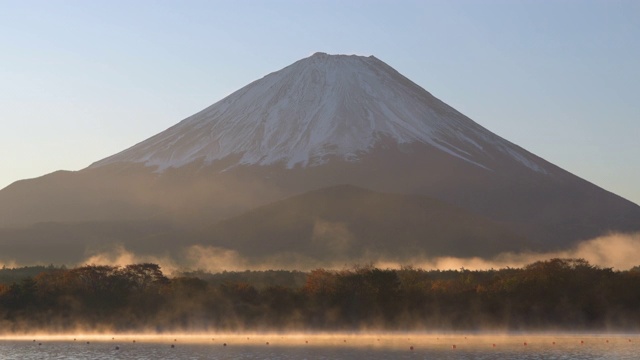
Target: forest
<point>556,294</point>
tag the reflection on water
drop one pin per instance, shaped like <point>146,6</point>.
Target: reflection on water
<point>337,346</point>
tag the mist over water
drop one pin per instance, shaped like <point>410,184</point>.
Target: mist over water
<point>324,346</point>
<point>617,251</point>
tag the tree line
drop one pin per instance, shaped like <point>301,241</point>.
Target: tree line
<point>557,294</point>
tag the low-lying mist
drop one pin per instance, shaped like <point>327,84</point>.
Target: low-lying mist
<point>617,251</point>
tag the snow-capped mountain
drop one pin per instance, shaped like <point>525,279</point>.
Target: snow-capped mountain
<point>318,107</point>
<point>236,173</point>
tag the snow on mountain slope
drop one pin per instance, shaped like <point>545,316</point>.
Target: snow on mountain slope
<point>321,106</point>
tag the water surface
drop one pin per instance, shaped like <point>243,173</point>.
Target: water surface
<point>323,346</point>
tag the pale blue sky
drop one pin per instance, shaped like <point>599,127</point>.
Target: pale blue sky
<point>81,80</point>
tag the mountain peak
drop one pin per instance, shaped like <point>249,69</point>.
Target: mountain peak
<point>324,55</point>
<point>321,107</point>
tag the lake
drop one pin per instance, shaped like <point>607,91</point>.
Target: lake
<point>324,346</point>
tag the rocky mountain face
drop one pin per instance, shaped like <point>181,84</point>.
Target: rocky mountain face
<point>323,121</point>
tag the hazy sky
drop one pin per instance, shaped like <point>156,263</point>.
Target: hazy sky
<point>81,80</point>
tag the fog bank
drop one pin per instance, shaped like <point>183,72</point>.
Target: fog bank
<point>617,251</point>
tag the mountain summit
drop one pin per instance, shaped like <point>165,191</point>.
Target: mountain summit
<point>320,107</point>
<point>335,155</point>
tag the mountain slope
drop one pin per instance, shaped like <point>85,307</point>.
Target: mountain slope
<point>347,222</point>
<point>335,224</point>
<point>74,243</point>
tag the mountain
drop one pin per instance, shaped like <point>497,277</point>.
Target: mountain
<point>323,121</point>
